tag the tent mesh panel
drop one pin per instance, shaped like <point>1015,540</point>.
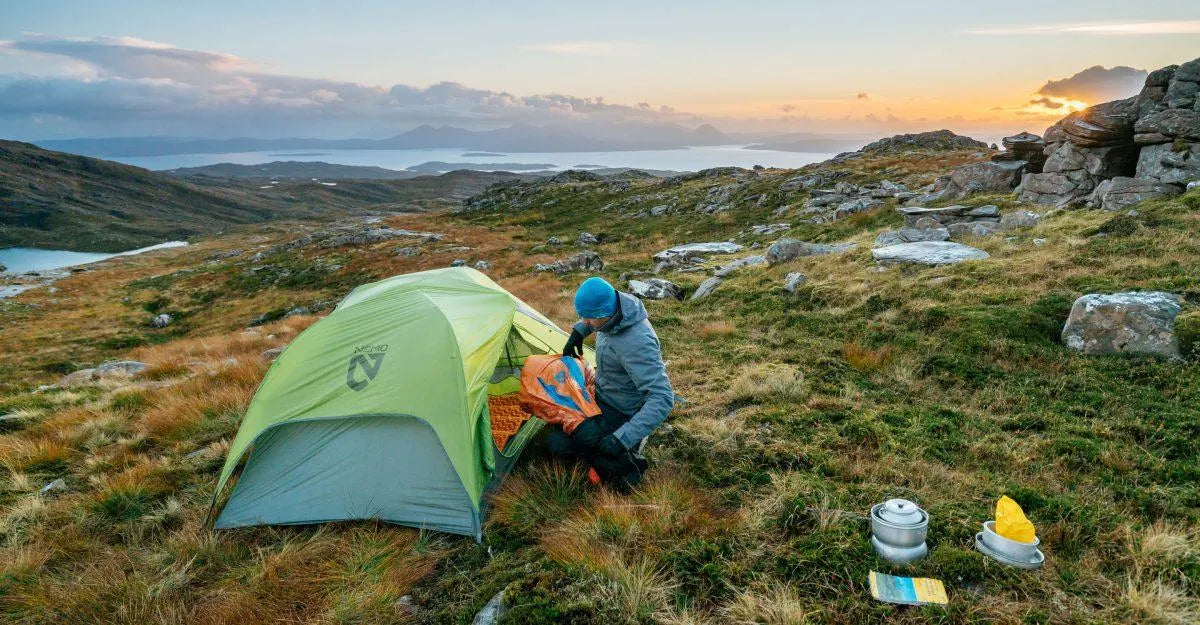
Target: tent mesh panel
<point>507,417</point>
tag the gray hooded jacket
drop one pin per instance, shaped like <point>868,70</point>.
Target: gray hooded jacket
<point>630,374</point>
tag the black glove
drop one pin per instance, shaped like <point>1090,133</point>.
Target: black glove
<point>574,346</point>
<point>610,446</point>
<point>589,433</point>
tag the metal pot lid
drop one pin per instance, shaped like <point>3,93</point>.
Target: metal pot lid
<point>900,512</point>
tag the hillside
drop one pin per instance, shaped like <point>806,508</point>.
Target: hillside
<point>808,399</point>
<point>64,201</point>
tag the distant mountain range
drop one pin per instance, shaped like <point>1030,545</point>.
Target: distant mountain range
<point>808,142</point>
<point>517,138</point>
<point>64,201</point>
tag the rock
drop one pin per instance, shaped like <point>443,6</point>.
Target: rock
<point>767,229</point>
<point>745,261</point>
<point>586,238</point>
<point>787,249</point>
<point>681,255</point>
<point>888,237</point>
<point>1134,322</point>
<point>707,287</point>
<point>825,200</point>
<point>845,209</point>
<point>1121,193</point>
<point>988,210</point>
<point>1018,219</point>
<point>927,253</point>
<point>58,484</point>
<point>1102,125</point>
<point>793,280</point>
<point>1056,188</point>
<point>1169,123</point>
<point>968,229</point>
<point>1193,184</point>
<point>658,211</point>
<point>119,368</point>
<point>271,354</point>
<point>1000,176</point>
<point>805,181</point>
<point>655,288</point>
<point>408,252</point>
<point>915,235</point>
<point>458,262</point>
<point>1165,164</point>
<point>1039,242</point>
<point>553,241</point>
<point>482,265</point>
<point>161,321</point>
<point>297,311</point>
<point>583,261</point>
<point>3,268</point>
<point>492,612</point>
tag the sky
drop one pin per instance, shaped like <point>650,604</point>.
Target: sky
<point>372,69</point>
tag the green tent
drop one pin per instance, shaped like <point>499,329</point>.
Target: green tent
<point>380,410</point>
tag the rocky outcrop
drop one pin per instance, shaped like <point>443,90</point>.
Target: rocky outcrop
<point>583,261</point>
<point>786,249</point>
<point>927,253</point>
<point>941,140</point>
<point>1154,136</point>
<point>998,176</point>
<point>1136,322</point>
<point>655,288</point>
<point>923,218</point>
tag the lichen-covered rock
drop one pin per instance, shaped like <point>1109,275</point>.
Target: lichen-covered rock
<point>1121,193</point>
<point>655,288</point>
<point>1134,322</point>
<point>1167,163</point>
<point>161,321</point>
<point>983,177</point>
<point>1018,219</point>
<point>793,280</point>
<point>118,368</point>
<point>586,238</point>
<point>927,253</point>
<point>1056,188</point>
<point>971,229</point>
<point>787,249</point>
<point>745,261</point>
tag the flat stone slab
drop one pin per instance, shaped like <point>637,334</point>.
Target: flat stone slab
<point>699,249</point>
<point>1132,322</point>
<point>918,211</point>
<point>928,253</point>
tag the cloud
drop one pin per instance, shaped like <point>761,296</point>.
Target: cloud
<point>1167,27</point>
<point>862,95</point>
<point>1096,84</point>
<point>130,85</point>
<point>1047,102</point>
<point>588,48</point>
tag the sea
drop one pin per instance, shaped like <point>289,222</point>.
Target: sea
<point>682,159</point>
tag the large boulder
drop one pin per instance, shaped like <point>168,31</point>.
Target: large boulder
<point>927,253</point>
<point>1018,219</point>
<point>694,250</point>
<point>655,288</point>
<point>1167,163</point>
<point>983,177</point>
<point>1169,124</point>
<point>1102,125</point>
<point>1024,146</point>
<point>1056,188</point>
<point>1136,322</point>
<point>787,249</point>
<point>1121,193</point>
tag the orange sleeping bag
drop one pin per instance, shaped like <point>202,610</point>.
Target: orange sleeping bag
<point>559,389</point>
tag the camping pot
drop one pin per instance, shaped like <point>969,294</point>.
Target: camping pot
<point>899,555</point>
<point>1011,549</point>
<point>899,523</point>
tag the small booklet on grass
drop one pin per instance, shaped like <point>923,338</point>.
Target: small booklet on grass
<point>907,590</point>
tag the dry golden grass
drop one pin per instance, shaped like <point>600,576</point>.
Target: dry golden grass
<point>866,359</point>
<point>777,605</point>
<point>716,329</point>
<point>769,382</point>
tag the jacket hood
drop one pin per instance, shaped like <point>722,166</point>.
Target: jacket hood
<point>632,313</point>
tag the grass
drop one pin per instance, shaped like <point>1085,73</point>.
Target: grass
<point>946,385</point>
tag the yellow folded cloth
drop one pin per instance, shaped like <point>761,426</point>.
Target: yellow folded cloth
<point>1011,522</point>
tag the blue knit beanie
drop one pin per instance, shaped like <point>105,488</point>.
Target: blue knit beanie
<point>595,299</point>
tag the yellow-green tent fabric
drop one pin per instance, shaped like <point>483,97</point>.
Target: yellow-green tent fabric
<point>380,409</point>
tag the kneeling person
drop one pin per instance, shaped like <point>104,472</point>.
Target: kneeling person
<point>632,388</point>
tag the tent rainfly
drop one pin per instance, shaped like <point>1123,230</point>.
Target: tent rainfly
<point>398,406</point>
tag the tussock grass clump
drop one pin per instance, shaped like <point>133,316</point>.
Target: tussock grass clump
<point>769,382</point>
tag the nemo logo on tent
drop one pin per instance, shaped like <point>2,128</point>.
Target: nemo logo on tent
<point>369,364</point>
